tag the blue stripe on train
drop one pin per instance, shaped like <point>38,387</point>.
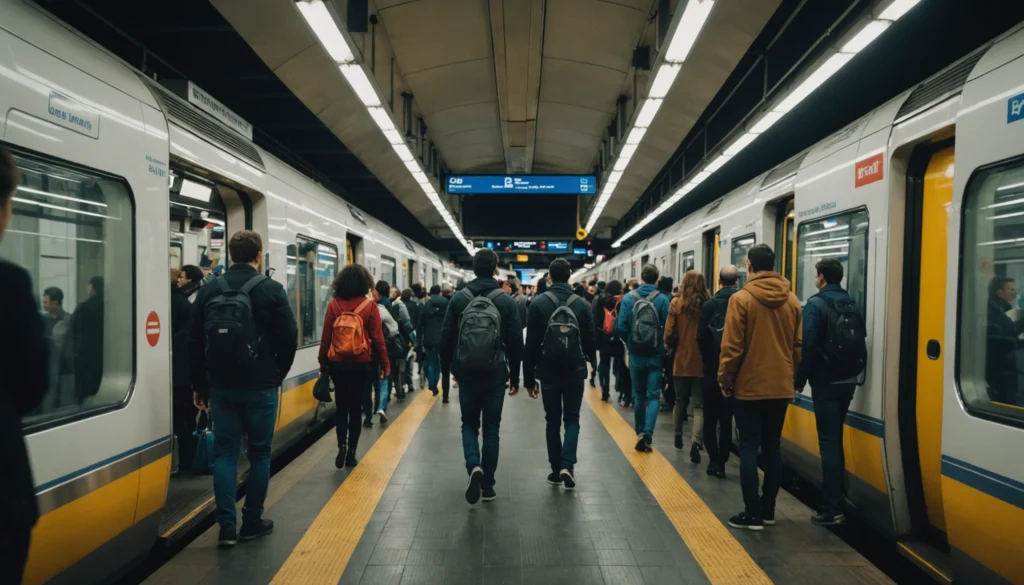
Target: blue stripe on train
<point>861,422</point>
<point>998,486</point>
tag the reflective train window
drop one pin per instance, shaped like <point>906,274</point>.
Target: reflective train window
<point>991,347</point>
<point>316,264</point>
<point>740,247</point>
<point>688,262</point>
<point>72,230</point>
<point>843,237</point>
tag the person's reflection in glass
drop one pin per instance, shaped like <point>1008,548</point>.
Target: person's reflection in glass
<point>1002,341</point>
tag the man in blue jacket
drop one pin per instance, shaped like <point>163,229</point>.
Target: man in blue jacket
<point>645,370</point>
<point>831,398</point>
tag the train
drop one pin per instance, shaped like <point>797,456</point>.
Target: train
<point>120,173</point>
<point>922,201</point>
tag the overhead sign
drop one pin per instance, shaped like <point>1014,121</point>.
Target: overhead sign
<point>579,251</point>
<point>522,184</point>
<point>555,247</point>
<point>522,258</point>
<point>1015,108</point>
<point>558,246</point>
<point>208,104</point>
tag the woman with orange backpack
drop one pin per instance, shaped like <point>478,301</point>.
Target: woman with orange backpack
<point>351,348</point>
<point>608,346</point>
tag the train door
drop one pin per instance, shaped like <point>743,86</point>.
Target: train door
<point>711,246</point>
<point>413,274</point>
<point>673,264</point>
<point>784,241</point>
<point>198,221</point>
<point>388,269</point>
<point>929,195</point>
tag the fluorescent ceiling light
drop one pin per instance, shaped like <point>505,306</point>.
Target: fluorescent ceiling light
<point>648,110</point>
<point>897,9</point>
<point>613,178</point>
<point>717,163</point>
<point>394,137</point>
<point>692,20</point>
<point>820,76</point>
<point>766,122</point>
<point>322,23</point>
<point>740,143</point>
<point>865,36</point>
<point>413,166</point>
<point>663,80</point>
<point>356,77</point>
<point>196,191</point>
<point>382,118</point>
<point>403,152</point>
<point>420,177</point>
<point>636,135</point>
<point>61,197</point>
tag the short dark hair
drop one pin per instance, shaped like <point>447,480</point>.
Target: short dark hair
<point>997,283</point>
<point>245,246</point>
<point>560,270</point>
<point>649,273</point>
<point>352,282</point>
<point>435,290</point>
<point>383,288</point>
<point>417,289</point>
<point>407,294</point>
<point>10,177</point>
<point>192,272</point>
<point>614,288</point>
<point>600,285</point>
<point>54,294</point>
<point>831,269</point>
<point>97,284</point>
<point>762,258</point>
<point>665,284</point>
<point>484,262</point>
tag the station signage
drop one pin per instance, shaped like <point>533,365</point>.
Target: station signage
<point>555,247</point>
<point>522,184</point>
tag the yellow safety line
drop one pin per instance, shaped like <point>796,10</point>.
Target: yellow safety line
<point>926,563</point>
<point>720,555</point>
<point>324,551</point>
<point>198,510</point>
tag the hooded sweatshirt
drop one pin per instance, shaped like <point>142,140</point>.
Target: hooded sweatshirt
<point>762,339</point>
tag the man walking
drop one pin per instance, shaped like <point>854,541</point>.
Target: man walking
<point>559,342</point>
<point>760,348</point>
<point>482,345</point>
<point>641,323</point>
<point>242,342</point>
<point>717,408</point>
<point>431,318</point>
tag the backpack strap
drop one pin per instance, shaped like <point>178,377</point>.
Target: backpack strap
<point>250,284</point>
<point>572,299</point>
<point>651,296</point>
<point>362,306</point>
<point>636,296</point>
<point>469,294</point>
<point>494,293</point>
<point>551,296</point>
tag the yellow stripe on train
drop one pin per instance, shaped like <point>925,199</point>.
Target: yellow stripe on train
<point>295,403</point>
<point>985,528</point>
<point>863,450</point>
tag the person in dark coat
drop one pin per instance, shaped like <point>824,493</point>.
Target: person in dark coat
<point>603,342</point>
<point>24,378</point>
<point>717,408</point>
<point>86,331</point>
<point>184,411</point>
<point>1001,341</point>
<point>431,318</point>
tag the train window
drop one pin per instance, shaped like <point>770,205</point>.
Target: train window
<point>991,346</point>
<point>316,265</point>
<point>740,247</point>
<point>388,269</point>
<point>689,262</point>
<point>843,237</point>
<point>73,231</point>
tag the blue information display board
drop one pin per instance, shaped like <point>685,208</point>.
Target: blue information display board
<point>523,184</point>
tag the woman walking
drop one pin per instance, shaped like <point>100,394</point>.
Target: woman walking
<point>687,368</point>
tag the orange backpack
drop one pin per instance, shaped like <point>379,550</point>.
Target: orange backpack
<point>348,335</point>
<point>608,327</point>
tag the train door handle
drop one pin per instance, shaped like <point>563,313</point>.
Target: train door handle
<point>933,349</point>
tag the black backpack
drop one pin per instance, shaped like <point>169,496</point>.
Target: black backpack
<point>562,346</point>
<point>845,352</point>
<point>397,345</point>
<point>232,343</point>
<point>717,326</point>
<point>646,325</point>
<point>479,347</point>
<point>433,317</point>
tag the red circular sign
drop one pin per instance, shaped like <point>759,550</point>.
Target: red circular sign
<point>152,328</point>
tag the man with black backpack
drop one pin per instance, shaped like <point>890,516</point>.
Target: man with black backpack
<point>717,408</point>
<point>482,346</point>
<point>559,342</point>
<point>242,342</point>
<point>641,323</point>
<point>834,355</point>
<point>431,318</point>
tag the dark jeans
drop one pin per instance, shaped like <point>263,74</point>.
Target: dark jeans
<point>623,380</point>
<point>253,412</point>
<point>717,423</point>
<point>760,425</point>
<point>14,542</point>
<point>485,399</point>
<point>604,366</point>
<point>432,367</point>
<point>398,371</point>
<point>349,388</point>
<point>371,394</point>
<point>184,421</point>
<point>831,402</point>
<point>645,372</point>
<point>562,401</point>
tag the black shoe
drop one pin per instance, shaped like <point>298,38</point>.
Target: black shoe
<point>745,522</point>
<point>695,453</point>
<point>351,460</point>
<point>679,441</point>
<point>339,460</point>
<point>228,537</point>
<point>605,397</point>
<point>720,471</point>
<point>828,519</point>
<point>473,491</point>
<point>444,401</point>
<point>643,443</point>
<point>768,517</point>
<point>251,531</point>
<point>367,424</point>
<point>712,469</point>
<point>435,393</point>
<point>568,480</point>
<point>489,495</point>
<point>554,479</point>
<point>649,440</point>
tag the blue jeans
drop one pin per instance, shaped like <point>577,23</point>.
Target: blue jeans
<point>432,367</point>
<point>476,400</point>
<point>562,401</point>
<point>383,388</point>
<point>253,412</point>
<point>645,373</point>
<point>831,403</point>
<point>604,366</point>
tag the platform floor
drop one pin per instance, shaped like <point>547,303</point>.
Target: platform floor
<point>400,517</point>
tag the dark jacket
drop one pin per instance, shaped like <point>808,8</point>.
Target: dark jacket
<point>275,324</point>
<point>511,332</point>
<point>86,346</point>
<point>1001,344</point>
<point>413,306</point>
<point>815,318</point>
<point>705,341</point>
<point>181,313</point>
<point>406,329</point>
<point>602,302</point>
<point>537,323</point>
<point>432,318</point>
<point>523,304</point>
<point>24,378</point>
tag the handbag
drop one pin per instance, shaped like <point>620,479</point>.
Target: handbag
<point>322,388</point>
<point>202,463</point>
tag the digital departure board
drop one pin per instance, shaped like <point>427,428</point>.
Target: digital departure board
<point>525,184</point>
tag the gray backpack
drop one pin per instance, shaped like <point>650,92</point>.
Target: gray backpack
<point>643,339</point>
<point>479,347</point>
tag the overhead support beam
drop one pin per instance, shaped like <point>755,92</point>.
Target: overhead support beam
<point>517,36</point>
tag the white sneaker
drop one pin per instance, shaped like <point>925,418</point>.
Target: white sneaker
<point>383,416</point>
<point>567,479</point>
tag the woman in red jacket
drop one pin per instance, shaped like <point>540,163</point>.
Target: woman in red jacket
<point>351,373</point>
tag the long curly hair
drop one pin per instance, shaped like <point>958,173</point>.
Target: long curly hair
<point>694,293</point>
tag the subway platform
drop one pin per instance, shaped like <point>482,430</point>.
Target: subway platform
<point>400,517</point>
